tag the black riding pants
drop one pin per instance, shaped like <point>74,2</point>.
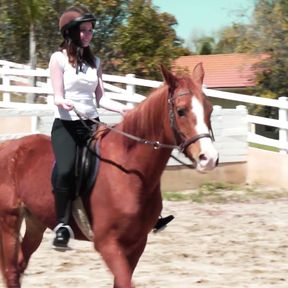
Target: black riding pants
<point>66,136</point>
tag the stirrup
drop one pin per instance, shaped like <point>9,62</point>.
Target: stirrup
<point>63,233</point>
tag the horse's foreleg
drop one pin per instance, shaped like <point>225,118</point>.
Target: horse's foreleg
<point>9,240</point>
<point>117,262</point>
<point>134,254</point>
<point>32,239</point>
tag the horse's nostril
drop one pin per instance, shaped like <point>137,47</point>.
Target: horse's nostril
<point>202,157</point>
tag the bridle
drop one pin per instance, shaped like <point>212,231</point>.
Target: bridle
<point>178,135</point>
<point>183,143</point>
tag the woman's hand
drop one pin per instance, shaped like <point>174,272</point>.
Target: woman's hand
<point>66,104</point>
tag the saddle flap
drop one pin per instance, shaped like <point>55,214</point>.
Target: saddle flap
<point>86,170</point>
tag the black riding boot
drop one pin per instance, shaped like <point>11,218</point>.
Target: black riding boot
<point>162,223</point>
<point>63,231</point>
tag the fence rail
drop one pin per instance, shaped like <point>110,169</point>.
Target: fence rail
<point>16,78</point>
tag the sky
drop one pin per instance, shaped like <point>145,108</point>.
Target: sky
<point>205,17</point>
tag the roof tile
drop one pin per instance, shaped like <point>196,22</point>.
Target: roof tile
<point>223,70</point>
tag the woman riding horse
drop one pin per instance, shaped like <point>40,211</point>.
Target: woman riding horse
<point>76,76</point>
<point>126,200</point>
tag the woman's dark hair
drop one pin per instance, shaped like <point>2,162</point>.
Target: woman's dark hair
<point>75,56</point>
<point>69,25</point>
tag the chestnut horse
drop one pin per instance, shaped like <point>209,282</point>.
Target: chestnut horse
<point>125,201</point>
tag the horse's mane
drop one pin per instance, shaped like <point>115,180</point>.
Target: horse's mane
<point>144,119</point>
<point>147,119</point>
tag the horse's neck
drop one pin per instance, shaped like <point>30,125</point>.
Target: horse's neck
<point>150,119</point>
<point>150,124</point>
<point>132,155</point>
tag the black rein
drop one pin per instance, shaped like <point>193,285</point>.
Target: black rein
<point>155,144</point>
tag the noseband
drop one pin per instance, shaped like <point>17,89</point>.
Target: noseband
<point>178,135</point>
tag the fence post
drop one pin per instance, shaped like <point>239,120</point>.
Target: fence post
<point>6,84</point>
<point>34,124</point>
<point>216,123</point>
<point>283,133</point>
<point>30,97</point>
<point>130,89</point>
<point>244,113</point>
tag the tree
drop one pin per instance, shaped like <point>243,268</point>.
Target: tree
<point>22,16</point>
<point>269,34</point>
<point>110,15</point>
<point>145,40</point>
<point>233,40</point>
<point>204,45</point>
<point>131,36</point>
<point>27,29</point>
<point>10,23</point>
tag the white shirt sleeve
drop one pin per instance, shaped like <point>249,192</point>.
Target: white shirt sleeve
<point>104,101</point>
<point>56,68</point>
<point>58,57</point>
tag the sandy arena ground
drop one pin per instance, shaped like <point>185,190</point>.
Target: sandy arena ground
<point>213,245</point>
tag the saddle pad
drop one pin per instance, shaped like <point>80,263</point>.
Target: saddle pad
<point>80,216</point>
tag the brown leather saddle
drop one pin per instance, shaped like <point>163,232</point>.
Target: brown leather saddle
<point>86,168</point>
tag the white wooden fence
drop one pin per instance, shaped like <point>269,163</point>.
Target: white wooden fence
<point>281,123</point>
<point>230,125</point>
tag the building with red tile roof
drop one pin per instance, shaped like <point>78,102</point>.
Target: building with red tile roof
<point>223,71</point>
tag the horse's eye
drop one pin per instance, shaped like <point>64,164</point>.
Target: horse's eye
<point>181,112</point>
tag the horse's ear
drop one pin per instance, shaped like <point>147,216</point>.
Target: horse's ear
<point>198,74</point>
<point>168,77</point>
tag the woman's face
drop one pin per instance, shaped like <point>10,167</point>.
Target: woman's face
<point>86,33</point>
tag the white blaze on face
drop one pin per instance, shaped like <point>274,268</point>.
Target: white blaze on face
<point>208,154</point>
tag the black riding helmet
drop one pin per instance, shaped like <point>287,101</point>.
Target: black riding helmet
<point>71,19</point>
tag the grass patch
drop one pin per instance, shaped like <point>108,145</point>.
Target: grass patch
<point>176,196</point>
<point>264,147</point>
<point>226,193</point>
